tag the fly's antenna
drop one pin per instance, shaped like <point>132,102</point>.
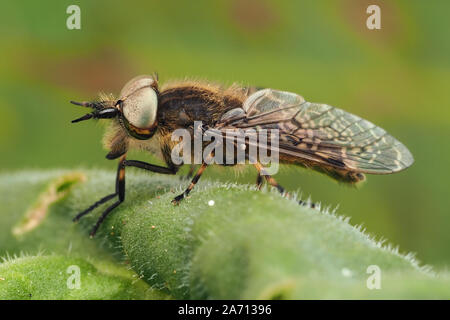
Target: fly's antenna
<point>87,104</point>
<point>85,117</point>
<point>99,112</point>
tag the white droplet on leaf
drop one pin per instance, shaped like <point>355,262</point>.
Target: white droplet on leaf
<point>211,203</point>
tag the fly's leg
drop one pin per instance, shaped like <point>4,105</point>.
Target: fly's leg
<point>259,181</point>
<point>269,179</point>
<point>95,205</point>
<point>103,216</point>
<point>120,187</point>
<point>120,192</point>
<point>273,183</point>
<point>172,169</point>
<point>194,181</point>
<point>304,203</point>
<point>121,183</point>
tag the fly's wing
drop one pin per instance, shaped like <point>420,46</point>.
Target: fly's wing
<point>321,133</point>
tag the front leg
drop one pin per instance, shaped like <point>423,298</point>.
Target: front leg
<point>120,183</point>
<point>120,188</point>
<point>120,192</point>
<point>171,169</point>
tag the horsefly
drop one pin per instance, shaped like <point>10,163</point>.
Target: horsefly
<point>237,120</point>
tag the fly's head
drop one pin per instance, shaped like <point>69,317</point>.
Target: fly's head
<point>136,108</point>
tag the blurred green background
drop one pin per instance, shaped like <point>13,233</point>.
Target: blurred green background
<point>397,77</point>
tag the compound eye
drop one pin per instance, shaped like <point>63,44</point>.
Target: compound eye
<point>140,107</point>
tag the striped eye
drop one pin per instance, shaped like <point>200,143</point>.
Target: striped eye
<point>140,102</point>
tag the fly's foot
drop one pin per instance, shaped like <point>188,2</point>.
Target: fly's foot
<point>176,201</point>
<point>312,205</point>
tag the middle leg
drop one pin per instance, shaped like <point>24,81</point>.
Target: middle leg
<point>194,181</point>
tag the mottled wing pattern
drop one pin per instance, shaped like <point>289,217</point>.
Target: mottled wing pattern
<point>323,134</point>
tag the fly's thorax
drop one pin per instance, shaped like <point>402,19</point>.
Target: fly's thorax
<point>139,106</point>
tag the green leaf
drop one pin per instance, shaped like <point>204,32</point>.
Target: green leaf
<point>249,244</point>
<point>59,277</point>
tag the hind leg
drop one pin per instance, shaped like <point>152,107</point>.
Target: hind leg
<point>273,182</point>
